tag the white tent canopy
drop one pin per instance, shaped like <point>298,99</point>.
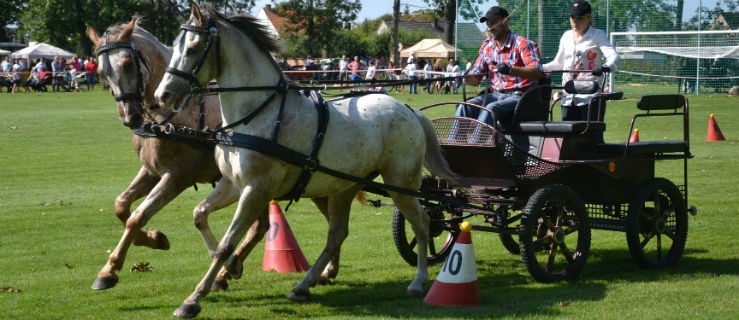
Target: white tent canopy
<point>42,50</point>
<point>430,48</point>
<point>4,52</point>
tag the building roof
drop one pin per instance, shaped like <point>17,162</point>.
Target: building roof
<point>433,27</point>
<point>726,21</point>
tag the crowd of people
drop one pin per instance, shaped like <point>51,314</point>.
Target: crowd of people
<point>58,73</point>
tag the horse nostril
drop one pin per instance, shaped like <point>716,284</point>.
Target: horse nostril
<point>165,96</point>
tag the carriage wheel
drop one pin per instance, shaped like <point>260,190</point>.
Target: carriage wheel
<point>657,224</point>
<point>440,243</point>
<point>555,241</point>
<point>509,243</point>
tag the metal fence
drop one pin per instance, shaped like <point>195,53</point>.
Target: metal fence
<point>695,72</point>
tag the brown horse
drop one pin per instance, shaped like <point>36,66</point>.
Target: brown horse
<point>133,62</point>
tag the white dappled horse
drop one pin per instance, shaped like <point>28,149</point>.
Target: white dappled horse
<point>364,135</point>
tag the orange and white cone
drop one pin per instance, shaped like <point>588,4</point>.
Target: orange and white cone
<point>714,132</point>
<point>634,136</point>
<point>281,250</point>
<point>456,285</point>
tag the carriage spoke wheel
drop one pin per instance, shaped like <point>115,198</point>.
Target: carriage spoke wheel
<point>555,240</point>
<point>657,224</point>
<point>440,243</point>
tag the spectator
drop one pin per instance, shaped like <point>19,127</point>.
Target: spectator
<point>57,74</point>
<point>343,63</point>
<point>452,70</point>
<point>91,71</point>
<point>354,68</point>
<point>410,71</point>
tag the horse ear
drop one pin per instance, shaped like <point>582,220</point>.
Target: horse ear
<point>195,12</point>
<point>128,30</point>
<point>93,35</point>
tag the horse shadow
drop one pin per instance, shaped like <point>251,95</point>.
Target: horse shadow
<point>506,289</point>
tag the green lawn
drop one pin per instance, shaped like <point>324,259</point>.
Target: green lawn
<point>65,157</point>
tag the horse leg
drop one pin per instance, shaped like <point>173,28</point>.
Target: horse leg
<point>139,187</point>
<point>224,194</point>
<point>233,268</point>
<point>338,208</point>
<point>252,204</point>
<point>167,189</point>
<point>332,268</point>
<point>413,212</point>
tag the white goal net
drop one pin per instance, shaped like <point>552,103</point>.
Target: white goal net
<point>682,61</point>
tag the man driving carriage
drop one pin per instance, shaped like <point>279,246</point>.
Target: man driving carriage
<point>511,62</point>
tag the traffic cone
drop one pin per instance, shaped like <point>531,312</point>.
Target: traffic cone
<point>456,285</point>
<point>714,133</point>
<point>281,251</point>
<point>634,136</point>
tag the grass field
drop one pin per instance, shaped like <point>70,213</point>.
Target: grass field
<point>65,157</point>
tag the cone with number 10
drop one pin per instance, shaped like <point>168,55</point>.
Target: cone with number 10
<point>281,250</point>
<point>456,285</point>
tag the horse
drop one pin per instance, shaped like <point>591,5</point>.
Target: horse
<point>134,62</point>
<point>397,141</point>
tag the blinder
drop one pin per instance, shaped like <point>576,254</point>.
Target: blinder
<point>213,39</point>
<point>107,67</point>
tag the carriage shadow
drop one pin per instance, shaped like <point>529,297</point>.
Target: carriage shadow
<point>617,265</point>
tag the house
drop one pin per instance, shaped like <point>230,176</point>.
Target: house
<point>268,17</point>
<point>726,21</point>
<point>468,34</point>
<point>433,28</point>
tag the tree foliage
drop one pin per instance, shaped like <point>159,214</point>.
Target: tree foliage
<point>314,24</point>
<point>63,22</point>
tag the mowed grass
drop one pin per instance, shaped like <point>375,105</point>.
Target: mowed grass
<point>65,157</point>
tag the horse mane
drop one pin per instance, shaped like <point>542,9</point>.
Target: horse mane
<point>115,30</point>
<point>250,26</point>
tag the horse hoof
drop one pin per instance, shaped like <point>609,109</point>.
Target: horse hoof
<point>187,310</point>
<point>299,295</point>
<point>414,292</point>
<point>161,240</point>
<point>235,268</point>
<point>219,285</point>
<point>107,282</point>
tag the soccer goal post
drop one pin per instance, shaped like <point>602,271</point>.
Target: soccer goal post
<point>677,61</point>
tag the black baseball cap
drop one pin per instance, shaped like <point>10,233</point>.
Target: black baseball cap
<point>494,12</point>
<point>580,8</point>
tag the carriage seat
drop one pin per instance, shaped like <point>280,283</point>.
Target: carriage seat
<point>533,106</point>
<point>644,148</point>
<point>547,128</point>
<point>657,105</point>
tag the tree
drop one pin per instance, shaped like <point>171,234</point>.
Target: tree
<point>10,9</point>
<point>314,24</point>
<point>63,22</point>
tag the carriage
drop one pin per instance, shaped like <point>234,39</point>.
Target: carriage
<point>542,185</point>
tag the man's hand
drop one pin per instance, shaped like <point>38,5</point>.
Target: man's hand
<point>503,68</point>
<point>598,71</point>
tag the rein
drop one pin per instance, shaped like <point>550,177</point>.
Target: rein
<point>270,147</point>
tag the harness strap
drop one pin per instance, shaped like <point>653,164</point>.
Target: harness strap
<point>302,182</point>
<point>296,158</point>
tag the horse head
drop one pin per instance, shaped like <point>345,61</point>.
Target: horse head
<point>125,69</point>
<point>192,64</point>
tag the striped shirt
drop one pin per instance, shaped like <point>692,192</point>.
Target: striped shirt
<point>517,51</point>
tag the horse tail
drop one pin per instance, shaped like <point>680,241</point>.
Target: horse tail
<point>434,159</point>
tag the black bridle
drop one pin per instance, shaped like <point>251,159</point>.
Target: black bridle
<point>138,57</point>
<point>213,41</point>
